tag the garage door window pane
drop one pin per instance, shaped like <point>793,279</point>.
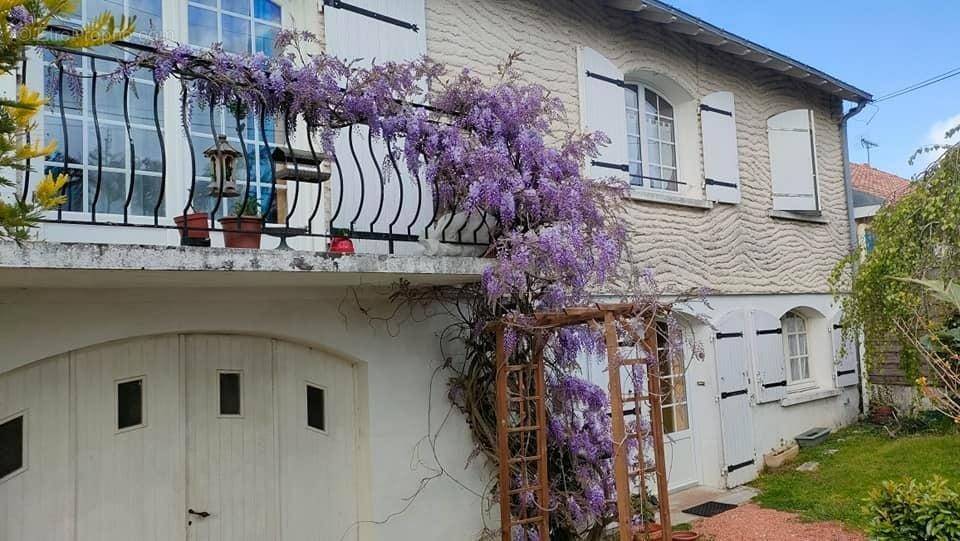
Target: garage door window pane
<point>129,404</point>
<point>315,408</point>
<point>229,393</point>
<point>11,446</point>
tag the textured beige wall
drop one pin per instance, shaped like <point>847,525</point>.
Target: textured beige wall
<point>733,249</point>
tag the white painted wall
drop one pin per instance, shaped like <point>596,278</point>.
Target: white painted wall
<point>396,366</point>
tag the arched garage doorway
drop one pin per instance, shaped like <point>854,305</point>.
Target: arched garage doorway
<point>194,437</point>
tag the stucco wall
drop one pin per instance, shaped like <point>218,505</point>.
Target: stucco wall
<point>731,248</point>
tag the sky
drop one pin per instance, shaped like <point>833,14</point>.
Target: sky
<point>878,46</point>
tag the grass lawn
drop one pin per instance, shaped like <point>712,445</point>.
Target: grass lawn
<point>866,456</point>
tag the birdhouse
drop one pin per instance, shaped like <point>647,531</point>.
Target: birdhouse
<point>223,162</point>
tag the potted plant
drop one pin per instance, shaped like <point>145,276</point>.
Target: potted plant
<point>645,510</point>
<point>243,228</point>
<point>194,228</point>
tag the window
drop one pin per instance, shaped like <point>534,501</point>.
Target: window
<point>130,411</point>
<point>796,349</point>
<point>651,139</point>
<point>242,26</point>
<point>11,447</point>
<point>673,384</point>
<point>84,147</point>
<point>230,394</point>
<point>316,414</point>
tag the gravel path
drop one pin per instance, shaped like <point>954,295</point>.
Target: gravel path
<point>751,522</point>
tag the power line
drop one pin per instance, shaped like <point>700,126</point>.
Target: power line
<point>922,84</point>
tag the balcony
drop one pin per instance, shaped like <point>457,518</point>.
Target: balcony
<point>138,155</point>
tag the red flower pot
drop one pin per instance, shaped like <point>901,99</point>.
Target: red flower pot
<point>241,231</point>
<point>341,245</point>
<point>194,225</point>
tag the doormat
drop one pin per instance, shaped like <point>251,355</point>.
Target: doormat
<point>709,509</point>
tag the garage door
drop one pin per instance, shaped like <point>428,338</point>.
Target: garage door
<point>196,437</point>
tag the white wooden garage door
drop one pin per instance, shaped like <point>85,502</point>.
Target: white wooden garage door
<point>196,437</point>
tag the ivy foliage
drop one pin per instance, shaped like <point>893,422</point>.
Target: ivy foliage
<point>916,238</point>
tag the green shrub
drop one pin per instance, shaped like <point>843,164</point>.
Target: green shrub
<point>916,510</point>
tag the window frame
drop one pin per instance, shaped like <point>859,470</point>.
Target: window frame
<point>143,404</point>
<point>809,382</point>
<point>25,444</point>
<point>671,187</point>
<point>240,390</point>
<point>326,410</point>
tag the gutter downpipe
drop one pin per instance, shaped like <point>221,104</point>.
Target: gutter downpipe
<point>852,225</point>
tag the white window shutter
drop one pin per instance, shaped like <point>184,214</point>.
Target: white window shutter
<point>721,164</point>
<point>732,354</point>
<point>793,168</point>
<point>602,108</point>
<point>844,355</point>
<point>351,36</point>
<point>770,360</point>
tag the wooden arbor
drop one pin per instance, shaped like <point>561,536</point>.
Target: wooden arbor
<point>522,418</point>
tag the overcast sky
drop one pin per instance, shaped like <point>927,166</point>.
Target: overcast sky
<point>879,46</point>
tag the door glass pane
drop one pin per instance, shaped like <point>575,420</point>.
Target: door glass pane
<point>236,34</point>
<point>266,10</point>
<point>315,408</point>
<point>229,393</point>
<point>129,404</point>
<point>236,6</point>
<point>11,446</point>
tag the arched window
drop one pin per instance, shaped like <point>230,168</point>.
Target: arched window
<point>796,348</point>
<point>651,138</point>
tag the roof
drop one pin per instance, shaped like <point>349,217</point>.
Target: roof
<point>879,184</point>
<point>699,30</point>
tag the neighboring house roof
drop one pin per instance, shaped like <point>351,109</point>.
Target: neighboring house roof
<point>697,29</point>
<point>877,184</point>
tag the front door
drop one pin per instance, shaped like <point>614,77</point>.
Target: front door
<point>736,421</point>
<point>232,440</point>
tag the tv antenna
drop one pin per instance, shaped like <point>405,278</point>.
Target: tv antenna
<point>867,144</point>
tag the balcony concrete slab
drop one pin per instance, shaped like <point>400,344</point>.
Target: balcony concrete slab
<point>82,265</point>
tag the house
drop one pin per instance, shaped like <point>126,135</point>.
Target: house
<point>872,188</point>
<point>156,391</point>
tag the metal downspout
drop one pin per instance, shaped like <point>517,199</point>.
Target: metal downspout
<point>852,225</point>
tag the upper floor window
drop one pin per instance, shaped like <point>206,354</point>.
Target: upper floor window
<point>243,26</point>
<point>793,161</point>
<point>796,349</point>
<point>651,138</point>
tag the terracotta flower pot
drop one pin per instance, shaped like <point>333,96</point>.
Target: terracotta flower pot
<point>685,536</point>
<point>241,231</point>
<point>650,531</point>
<point>194,225</point>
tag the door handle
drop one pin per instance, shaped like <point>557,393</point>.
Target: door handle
<point>201,514</point>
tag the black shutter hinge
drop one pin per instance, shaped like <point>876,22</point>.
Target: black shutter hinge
<point>338,4</point>
<point>619,82</point>
<point>770,331</point>
<point>713,182</point>
<point>782,383</point>
<point>620,166</point>
<point>704,107</point>
<point>740,465</point>
<point>728,394</point>
<point>722,335</point>
<point>846,372</point>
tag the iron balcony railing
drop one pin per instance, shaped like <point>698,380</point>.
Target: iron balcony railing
<point>133,151</point>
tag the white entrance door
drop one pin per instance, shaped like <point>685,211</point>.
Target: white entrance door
<point>232,445</point>
<point>736,422</point>
<point>129,474</point>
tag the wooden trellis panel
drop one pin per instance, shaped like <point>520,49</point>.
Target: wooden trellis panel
<point>627,474</point>
<point>522,441</point>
